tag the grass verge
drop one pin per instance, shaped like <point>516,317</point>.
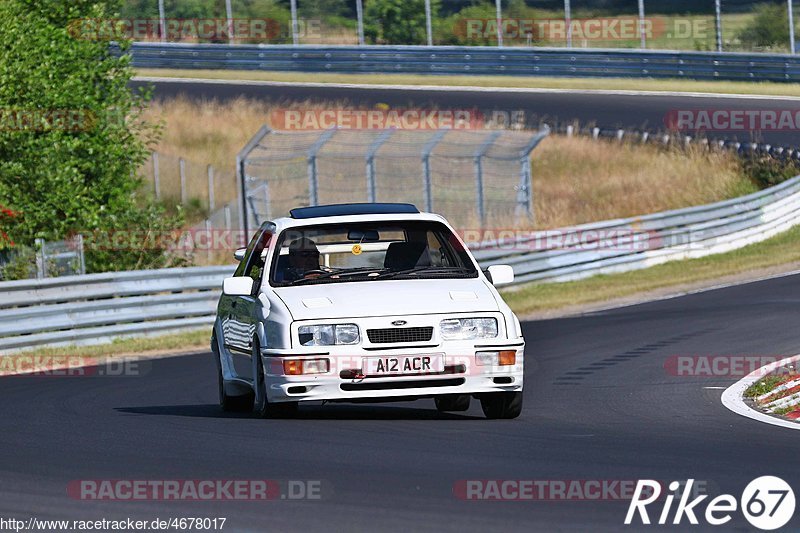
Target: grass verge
<point>763,386</point>
<point>526,82</point>
<point>171,343</point>
<point>779,250</point>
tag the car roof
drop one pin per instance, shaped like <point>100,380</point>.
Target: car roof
<point>331,210</point>
<point>289,222</point>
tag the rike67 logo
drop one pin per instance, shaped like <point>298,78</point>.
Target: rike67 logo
<point>767,503</point>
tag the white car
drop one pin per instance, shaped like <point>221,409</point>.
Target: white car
<point>365,302</point>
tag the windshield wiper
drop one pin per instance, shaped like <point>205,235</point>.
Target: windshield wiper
<point>427,269</point>
<point>348,272</point>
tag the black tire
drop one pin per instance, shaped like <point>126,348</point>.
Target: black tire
<point>452,402</point>
<point>501,404</point>
<point>235,404</point>
<point>261,406</point>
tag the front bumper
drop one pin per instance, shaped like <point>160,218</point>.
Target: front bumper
<point>343,382</point>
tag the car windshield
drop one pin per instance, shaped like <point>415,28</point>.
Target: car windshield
<point>338,253</point>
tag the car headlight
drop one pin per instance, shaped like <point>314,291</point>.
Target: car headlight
<point>468,328</point>
<point>328,334</point>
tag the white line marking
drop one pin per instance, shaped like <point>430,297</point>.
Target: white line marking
<point>732,397</point>
<point>714,388</point>
<point>466,88</point>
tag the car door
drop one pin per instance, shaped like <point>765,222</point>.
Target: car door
<point>242,321</point>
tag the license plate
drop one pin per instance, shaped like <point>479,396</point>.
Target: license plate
<point>393,365</point>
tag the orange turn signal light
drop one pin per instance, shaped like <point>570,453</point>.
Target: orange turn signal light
<point>297,367</point>
<point>507,358</point>
<point>293,367</point>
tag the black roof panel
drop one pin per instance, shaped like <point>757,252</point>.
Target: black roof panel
<point>334,210</point>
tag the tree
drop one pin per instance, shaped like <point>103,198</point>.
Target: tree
<point>769,28</point>
<point>71,134</point>
<point>397,21</point>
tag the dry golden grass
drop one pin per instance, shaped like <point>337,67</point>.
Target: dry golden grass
<point>576,180</point>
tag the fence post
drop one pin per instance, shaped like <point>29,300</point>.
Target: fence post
<point>241,193</point>
<point>81,258</point>
<point>162,26</point>
<point>499,19</point>
<point>211,202</point>
<point>241,178</point>
<point>568,22</point>
<point>480,199</point>
<point>295,33</point>
<point>209,240</point>
<point>182,171</point>
<point>360,21</point>
<point>428,30</point>
<point>642,25</point>
<point>718,15</point>
<point>313,179</point>
<point>229,13</point>
<point>427,188</point>
<point>156,176</point>
<point>791,26</point>
<point>372,192</point>
<point>41,259</point>
<point>227,213</point>
<point>525,187</point>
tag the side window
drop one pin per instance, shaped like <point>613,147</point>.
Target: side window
<point>241,269</point>
<point>255,263</point>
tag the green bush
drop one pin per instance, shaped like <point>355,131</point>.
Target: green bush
<point>766,171</point>
<point>397,21</point>
<point>769,28</point>
<point>76,174</point>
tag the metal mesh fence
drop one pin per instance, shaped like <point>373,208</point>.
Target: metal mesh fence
<point>745,25</point>
<point>175,179</point>
<point>474,178</point>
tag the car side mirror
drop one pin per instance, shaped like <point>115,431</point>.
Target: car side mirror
<point>239,254</point>
<point>238,286</point>
<point>501,274</point>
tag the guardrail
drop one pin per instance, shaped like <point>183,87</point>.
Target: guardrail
<point>647,240</point>
<point>98,307</point>
<point>481,60</point>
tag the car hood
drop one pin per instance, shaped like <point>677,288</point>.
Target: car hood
<point>387,298</point>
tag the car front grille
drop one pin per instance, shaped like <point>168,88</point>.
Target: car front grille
<point>400,335</point>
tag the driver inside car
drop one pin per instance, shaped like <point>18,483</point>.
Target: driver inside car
<point>303,260</point>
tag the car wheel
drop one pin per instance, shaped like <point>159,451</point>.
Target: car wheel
<point>452,402</point>
<point>502,404</point>
<point>262,407</point>
<point>227,402</point>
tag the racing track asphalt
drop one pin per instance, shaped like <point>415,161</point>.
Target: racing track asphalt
<point>598,405</point>
<point>627,111</point>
